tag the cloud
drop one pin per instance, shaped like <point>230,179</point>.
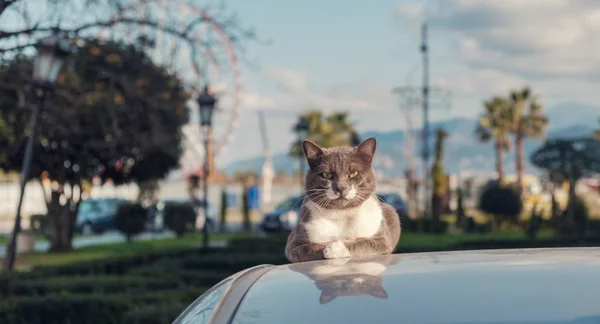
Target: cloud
<point>292,93</point>
<point>289,80</point>
<point>552,45</point>
<point>536,38</point>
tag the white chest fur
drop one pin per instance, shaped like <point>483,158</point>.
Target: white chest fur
<point>327,225</point>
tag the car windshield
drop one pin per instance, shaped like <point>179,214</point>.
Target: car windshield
<point>87,206</point>
<point>289,203</point>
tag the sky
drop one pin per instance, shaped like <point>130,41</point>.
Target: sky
<point>347,55</point>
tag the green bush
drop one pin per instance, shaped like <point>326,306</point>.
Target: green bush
<point>91,309</point>
<point>87,285</point>
<point>62,309</point>
<point>190,277</point>
<point>131,219</point>
<point>504,202</point>
<point>430,225</point>
<point>110,266</point>
<point>179,217</point>
<point>155,314</point>
<point>273,243</point>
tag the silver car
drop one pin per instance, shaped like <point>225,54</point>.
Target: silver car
<point>495,286</point>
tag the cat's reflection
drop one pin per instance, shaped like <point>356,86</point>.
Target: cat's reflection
<point>348,277</point>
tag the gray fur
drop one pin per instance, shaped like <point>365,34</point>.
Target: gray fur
<point>341,161</point>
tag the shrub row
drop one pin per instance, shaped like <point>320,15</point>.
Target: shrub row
<point>87,285</point>
<point>111,265</point>
<point>97,309</point>
<point>132,289</point>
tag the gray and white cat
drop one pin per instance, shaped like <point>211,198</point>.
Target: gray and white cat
<point>340,216</point>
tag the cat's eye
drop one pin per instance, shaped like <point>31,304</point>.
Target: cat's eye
<point>327,175</point>
<point>353,174</point>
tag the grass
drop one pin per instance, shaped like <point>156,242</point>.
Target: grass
<point>4,238</point>
<point>441,241</point>
<point>117,249</point>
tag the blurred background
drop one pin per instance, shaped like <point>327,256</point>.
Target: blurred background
<point>150,148</point>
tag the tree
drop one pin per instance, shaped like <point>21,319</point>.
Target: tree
<point>569,159</point>
<point>326,131</point>
<point>596,133</point>
<point>439,176</point>
<point>124,124</point>
<point>528,121</point>
<point>495,124</point>
<point>503,202</point>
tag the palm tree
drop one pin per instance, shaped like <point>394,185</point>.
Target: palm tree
<point>326,131</point>
<point>495,124</point>
<point>528,120</point>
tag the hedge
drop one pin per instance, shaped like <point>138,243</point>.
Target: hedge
<point>87,285</point>
<point>62,309</point>
<point>92,309</point>
<point>161,314</point>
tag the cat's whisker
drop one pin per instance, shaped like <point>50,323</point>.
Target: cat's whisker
<point>296,203</point>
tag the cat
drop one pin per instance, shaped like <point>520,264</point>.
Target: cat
<point>348,277</point>
<point>341,216</point>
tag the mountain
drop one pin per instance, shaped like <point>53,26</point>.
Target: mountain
<point>569,114</point>
<point>462,150</point>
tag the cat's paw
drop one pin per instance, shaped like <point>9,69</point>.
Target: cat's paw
<point>336,250</point>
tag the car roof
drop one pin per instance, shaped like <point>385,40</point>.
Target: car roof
<point>557,285</point>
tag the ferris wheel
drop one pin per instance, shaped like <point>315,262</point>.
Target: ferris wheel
<point>206,56</point>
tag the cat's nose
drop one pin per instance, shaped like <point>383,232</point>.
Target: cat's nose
<point>343,192</point>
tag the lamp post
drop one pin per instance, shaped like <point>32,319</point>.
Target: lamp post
<point>302,129</point>
<point>52,52</point>
<point>206,103</point>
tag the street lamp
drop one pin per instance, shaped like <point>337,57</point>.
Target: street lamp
<point>52,52</point>
<point>302,129</point>
<point>206,103</point>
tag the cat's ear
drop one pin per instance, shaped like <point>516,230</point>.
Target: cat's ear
<point>311,150</point>
<point>379,292</point>
<point>325,298</point>
<point>367,147</point>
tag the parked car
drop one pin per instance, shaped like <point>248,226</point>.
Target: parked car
<point>496,286</point>
<point>156,220</point>
<point>394,200</point>
<point>97,215</point>
<point>284,216</point>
